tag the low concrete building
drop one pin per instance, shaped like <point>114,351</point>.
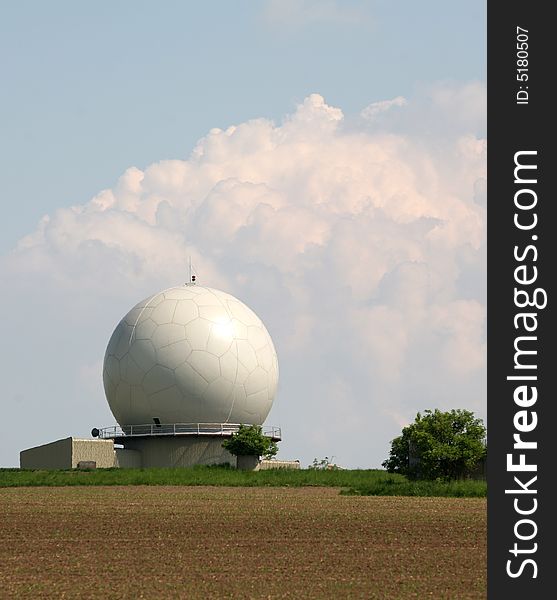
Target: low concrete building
<point>68,453</point>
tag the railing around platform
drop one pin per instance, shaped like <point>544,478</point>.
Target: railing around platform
<point>223,429</point>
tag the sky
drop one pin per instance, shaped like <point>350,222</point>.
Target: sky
<point>323,161</point>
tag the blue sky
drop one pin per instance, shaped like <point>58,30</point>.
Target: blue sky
<point>347,206</point>
<point>92,88</point>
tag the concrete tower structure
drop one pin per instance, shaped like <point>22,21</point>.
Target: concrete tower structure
<point>182,370</point>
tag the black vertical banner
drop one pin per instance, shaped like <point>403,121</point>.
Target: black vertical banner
<point>522,263</point>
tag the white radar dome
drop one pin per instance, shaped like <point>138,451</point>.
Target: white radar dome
<point>190,354</point>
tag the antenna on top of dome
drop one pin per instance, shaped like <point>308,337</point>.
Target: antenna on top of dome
<point>193,275</point>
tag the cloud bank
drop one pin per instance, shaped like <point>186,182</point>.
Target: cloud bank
<point>359,241</point>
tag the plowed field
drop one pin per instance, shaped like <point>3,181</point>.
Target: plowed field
<point>217,542</point>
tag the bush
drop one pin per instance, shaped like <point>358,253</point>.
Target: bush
<point>439,445</point>
<point>249,440</point>
<point>323,464</point>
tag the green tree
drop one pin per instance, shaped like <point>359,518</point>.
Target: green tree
<point>439,445</point>
<point>249,440</point>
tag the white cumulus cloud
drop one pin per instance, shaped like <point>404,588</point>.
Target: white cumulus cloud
<point>362,249</point>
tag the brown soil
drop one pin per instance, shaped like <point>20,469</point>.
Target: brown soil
<point>217,542</point>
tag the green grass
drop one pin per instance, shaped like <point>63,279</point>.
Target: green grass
<point>391,486</point>
<point>356,482</point>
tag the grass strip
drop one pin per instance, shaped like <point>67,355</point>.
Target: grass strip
<point>374,482</point>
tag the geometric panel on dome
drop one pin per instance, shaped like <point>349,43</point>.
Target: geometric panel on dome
<point>243,313</point>
<point>186,311</point>
<point>164,312</point>
<point>220,340</point>
<point>130,371</point>
<point>197,333</point>
<point>207,298</point>
<point>206,364</point>
<point>216,314</point>
<point>265,358</point>
<point>240,330</point>
<point>144,354</point>
<point>158,378</point>
<point>241,374</point>
<point>168,334</point>
<point>219,389</point>
<point>246,355</point>
<point>229,364</point>
<point>173,355</point>
<point>144,329</point>
<point>256,381</point>
<point>123,343</point>
<point>189,381</point>
<point>166,398</point>
<point>257,337</point>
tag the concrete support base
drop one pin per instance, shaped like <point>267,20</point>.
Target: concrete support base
<point>179,451</point>
<point>248,463</point>
<point>143,452</point>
